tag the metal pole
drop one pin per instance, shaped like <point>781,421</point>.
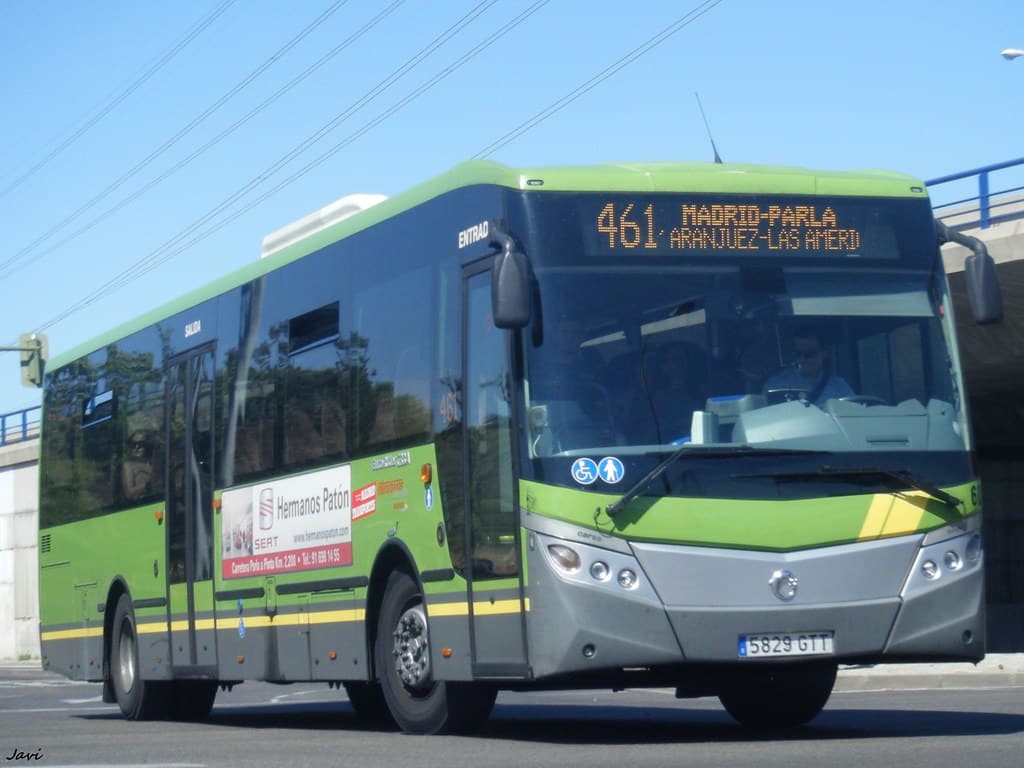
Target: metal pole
<point>983,205</point>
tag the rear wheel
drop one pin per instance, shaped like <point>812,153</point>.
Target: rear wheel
<point>190,700</point>
<point>418,702</point>
<point>779,696</point>
<point>138,699</point>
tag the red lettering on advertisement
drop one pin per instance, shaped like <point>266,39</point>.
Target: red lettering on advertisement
<point>364,501</point>
<point>286,562</point>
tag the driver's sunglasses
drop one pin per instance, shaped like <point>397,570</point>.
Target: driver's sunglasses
<point>806,354</point>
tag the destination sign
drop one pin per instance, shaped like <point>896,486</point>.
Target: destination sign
<point>723,226</point>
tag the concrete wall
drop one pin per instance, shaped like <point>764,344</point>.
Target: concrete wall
<point>19,556</point>
<point>993,360</point>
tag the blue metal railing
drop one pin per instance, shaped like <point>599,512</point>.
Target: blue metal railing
<point>17,426</point>
<point>985,204</point>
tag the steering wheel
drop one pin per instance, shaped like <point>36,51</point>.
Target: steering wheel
<point>787,394</point>
<point>546,443</point>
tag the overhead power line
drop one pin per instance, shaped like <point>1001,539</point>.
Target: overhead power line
<point>358,133</point>
<point>180,243</point>
<point>648,45</point>
<point>10,265</point>
<point>117,100</point>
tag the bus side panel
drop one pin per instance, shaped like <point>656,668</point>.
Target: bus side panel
<point>448,613</point>
<point>335,361</point>
<point>77,584</point>
<point>242,643</point>
<point>154,643</point>
<point>337,638</point>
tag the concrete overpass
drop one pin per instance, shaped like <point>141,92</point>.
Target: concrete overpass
<point>993,358</point>
<point>19,536</point>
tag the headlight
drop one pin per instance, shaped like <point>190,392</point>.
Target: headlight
<point>565,557</point>
<point>627,578</point>
<point>599,570</point>
<point>973,550</point>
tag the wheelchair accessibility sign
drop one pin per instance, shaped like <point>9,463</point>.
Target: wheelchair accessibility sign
<point>587,471</point>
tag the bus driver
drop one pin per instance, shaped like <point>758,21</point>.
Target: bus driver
<point>811,372</point>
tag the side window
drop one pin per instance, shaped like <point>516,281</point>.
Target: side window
<point>60,496</point>
<point>315,419</point>
<point>251,409</point>
<point>142,466</point>
<point>100,443</point>
<point>254,436</point>
<point>391,321</point>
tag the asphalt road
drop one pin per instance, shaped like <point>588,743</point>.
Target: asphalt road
<point>46,720</point>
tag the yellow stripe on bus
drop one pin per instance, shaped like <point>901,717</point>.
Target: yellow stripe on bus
<point>71,634</point>
<point>892,514</point>
<point>906,513</point>
<point>873,523</point>
<point>480,608</point>
<point>329,617</point>
<point>181,625</point>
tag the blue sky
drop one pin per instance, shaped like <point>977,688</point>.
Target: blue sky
<point>916,86</point>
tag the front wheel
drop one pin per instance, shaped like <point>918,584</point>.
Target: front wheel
<point>779,696</point>
<point>367,699</point>
<point>418,702</point>
<point>138,699</point>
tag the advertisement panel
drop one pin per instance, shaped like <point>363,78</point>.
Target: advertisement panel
<point>295,524</point>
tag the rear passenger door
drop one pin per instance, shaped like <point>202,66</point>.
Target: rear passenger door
<point>189,389</point>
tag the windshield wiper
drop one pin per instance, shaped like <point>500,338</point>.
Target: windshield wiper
<point>903,476</point>
<point>691,449</point>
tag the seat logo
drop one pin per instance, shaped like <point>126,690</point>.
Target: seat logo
<point>784,585</point>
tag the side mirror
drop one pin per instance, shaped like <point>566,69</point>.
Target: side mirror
<point>980,275</point>
<point>510,283</point>
<point>983,288</point>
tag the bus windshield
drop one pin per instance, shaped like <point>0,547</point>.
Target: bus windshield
<point>798,352</point>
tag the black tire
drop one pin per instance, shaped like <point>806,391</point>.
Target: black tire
<point>190,700</point>
<point>417,702</point>
<point>138,699</point>
<point>367,699</point>
<point>779,696</point>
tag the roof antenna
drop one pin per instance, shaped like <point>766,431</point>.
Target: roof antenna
<point>711,138</point>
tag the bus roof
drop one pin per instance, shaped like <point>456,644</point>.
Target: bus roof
<point>723,178</point>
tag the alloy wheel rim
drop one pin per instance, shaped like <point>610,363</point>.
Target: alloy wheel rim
<point>126,656</point>
<point>412,649</point>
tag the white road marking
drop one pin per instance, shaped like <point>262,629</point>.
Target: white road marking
<point>90,700</point>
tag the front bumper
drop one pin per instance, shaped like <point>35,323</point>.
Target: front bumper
<point>691,604</point>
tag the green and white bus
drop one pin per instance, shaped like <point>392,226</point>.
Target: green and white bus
<point>524,429</point>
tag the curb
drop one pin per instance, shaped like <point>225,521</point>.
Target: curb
<point>998,670</point>
<point>910,682</point>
